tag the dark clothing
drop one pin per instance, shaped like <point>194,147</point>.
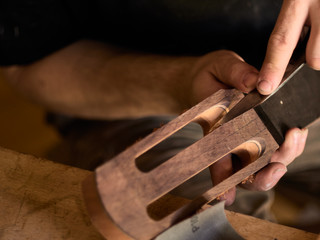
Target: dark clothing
<point>30,30</point>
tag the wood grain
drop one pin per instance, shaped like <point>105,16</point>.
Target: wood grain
<point>251,228</point>
<point>121,176</point>
<point>40,199</point>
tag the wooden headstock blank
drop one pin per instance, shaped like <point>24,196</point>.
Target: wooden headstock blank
<point>119,182</point>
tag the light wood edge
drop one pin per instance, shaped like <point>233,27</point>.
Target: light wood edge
<point>252,228</point>
<point>99,217</point>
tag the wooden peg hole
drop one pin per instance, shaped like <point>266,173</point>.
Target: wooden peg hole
<point>247,153</point>
<point>244,154</point>
<point>199,127</point>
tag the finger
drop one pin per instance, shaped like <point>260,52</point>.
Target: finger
<point>313,46</point>
<point>222,69</point>
<point>292,147</point>
<point>221,170</point>
<point>281,44</point>
<point>267,178</point>
<point>228,196</point>
<point>232,70</point>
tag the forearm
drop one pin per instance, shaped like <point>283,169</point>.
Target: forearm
<point>93,80</point>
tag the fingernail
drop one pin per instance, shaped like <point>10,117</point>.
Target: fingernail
<point>250,80</point>
<point>276,175</point>
<point>314,62</point>
<point>304,132</point>
<point>299,135</point>
<point>264,87</point>
<point>304,135</point>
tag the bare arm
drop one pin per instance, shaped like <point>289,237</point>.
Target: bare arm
<point>94,80</point>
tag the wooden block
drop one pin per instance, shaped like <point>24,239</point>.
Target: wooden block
<point>40,199</point>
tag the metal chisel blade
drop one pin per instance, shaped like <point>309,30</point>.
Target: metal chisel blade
<point>296,103</point>
<point>254,98</point>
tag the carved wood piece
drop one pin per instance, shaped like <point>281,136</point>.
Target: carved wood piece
<point>120,176</point>
<point>262,127</point>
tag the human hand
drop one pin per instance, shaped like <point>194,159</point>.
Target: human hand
<point>267,177</point>
<point>294,15</point>
<point>221,69</point>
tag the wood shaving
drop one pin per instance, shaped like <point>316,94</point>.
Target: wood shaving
<point>249,179</point>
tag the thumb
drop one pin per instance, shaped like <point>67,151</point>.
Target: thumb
<point>233,71</point>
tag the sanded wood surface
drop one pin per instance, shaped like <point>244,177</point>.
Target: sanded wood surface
<point>40,199</point>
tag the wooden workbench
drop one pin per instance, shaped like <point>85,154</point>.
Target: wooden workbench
<point>40,199</point>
